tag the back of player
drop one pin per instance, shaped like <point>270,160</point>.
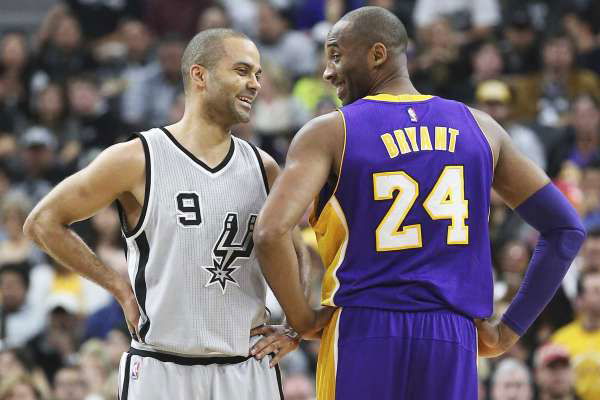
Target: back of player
<point>404,238</point>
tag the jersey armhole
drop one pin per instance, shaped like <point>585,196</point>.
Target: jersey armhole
<point>121,211</point>
<point>261,165</point>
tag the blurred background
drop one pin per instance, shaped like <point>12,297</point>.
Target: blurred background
<point>79,75</point>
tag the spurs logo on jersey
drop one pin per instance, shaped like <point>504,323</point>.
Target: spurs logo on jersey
<point>225,252</point>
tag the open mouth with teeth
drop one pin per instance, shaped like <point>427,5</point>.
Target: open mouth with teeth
<point>246,100</point>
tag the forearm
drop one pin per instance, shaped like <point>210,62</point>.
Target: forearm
<point>303,262</point>
<point>561,237</point>
<point>279,262</point>
<point>67,248</point>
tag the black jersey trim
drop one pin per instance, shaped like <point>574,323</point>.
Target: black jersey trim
<point>140,281</point>
<point>263,171</point>
<point>278,373</point>
<point>125,391</point>
<point>124,227</point>
<point>216,169</point>
<point>182,360</point>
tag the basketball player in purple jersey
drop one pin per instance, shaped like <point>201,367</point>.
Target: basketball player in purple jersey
<point>402,183</point>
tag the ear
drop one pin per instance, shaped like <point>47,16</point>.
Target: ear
<point>198,76</point>
<point>378,54</point>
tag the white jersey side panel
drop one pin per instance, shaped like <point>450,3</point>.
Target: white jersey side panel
<point>191,259</point>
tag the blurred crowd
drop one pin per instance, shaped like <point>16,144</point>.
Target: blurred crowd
<point>93,72</point>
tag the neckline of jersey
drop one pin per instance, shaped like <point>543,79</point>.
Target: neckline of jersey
<point>399,98</point>
<point>196,160</point>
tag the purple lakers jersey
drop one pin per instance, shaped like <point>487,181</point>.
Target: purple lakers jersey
<point>405,227</point>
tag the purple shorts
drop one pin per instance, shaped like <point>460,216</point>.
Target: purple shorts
<point>385,355</point>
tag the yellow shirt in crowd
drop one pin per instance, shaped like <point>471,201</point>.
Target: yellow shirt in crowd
<point>584,348</point>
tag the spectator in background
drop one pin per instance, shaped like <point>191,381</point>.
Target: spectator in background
<point>20,387</point>
<point>101,18</point>
<point>274,134</point>
<point>19,320</point>
<point>520,44</point>
<point>486,64</point>
<point>590,187</point>
<point>49,110</point>
<point>174,17</point>
<point>37,167</point>
<point>15,247</point>
<point>590,252</point>
<point>16,69</point>
<point>580,144</point>
<point>511,381</point>
<point>95,366</point>
<point>559,81</point>
<point>149,96</point>
<point>69,384</point>
<point>437,59</point>
<point>92,126</point>
<point>310,90</point>
<point>581,337</point>
<point>63,54</point>
<point>56,346</point>
<point>298,387</point>
<point>474,20</point>
<point>495,98</point>
<point>583,30</point>
<point>554,373</point>
<point>292,51</point>
<point>213,17</point>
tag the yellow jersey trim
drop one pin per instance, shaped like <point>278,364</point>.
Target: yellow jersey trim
<point>400,98</point>
<point>328,359</point>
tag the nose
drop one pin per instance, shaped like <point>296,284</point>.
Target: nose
<point>254,84</point>
<point>329,73</point>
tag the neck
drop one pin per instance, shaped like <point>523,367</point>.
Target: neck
<point>591,323</point>
<point>198,128</point>
<point>397,82</point>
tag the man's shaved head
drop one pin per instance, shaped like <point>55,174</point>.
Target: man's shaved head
<point>206,49</point>
<point>369,25</point>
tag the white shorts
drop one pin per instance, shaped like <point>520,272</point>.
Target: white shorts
<point>156,376</point>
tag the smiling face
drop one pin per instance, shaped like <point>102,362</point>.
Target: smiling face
<point>346,67</point>
<point>232,85</point>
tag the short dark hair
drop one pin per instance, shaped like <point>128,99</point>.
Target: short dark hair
<point>371,24</point>
<point>581,279</point>
<point>21,269</point>
<point>206,49</point>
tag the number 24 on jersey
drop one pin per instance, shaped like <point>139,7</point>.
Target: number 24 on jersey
<point>445,201</point>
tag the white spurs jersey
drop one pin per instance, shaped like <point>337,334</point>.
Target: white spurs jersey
<point>190,258</point>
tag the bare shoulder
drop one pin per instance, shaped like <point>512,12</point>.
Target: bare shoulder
<point>271,167</point>
<point>323,127</point>
<point>493,132</point>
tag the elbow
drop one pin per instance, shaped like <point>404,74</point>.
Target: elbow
<point>571,241</point>
<point>33,227</point>
<point>266,234</point>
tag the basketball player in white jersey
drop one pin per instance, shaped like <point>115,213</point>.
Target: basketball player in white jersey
<point>189,195</point>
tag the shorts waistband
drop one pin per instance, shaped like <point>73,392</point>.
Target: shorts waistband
<point>181,360</point>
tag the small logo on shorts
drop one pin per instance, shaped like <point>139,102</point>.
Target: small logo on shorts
<point>135,370</point>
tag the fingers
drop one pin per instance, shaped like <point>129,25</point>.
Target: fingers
<point>280,354</point>
<point>262,330</point>
<point>262,344</point>
<point>278,348</point>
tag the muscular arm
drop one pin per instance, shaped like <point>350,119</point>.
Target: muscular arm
<point>309,162</point>
<point>526,188</point>
<point>272,170</point>
<point>78,197</point>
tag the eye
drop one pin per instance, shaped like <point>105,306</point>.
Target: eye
<point>335,57</point>
<point>258,77</point>
<point>242,71</point>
